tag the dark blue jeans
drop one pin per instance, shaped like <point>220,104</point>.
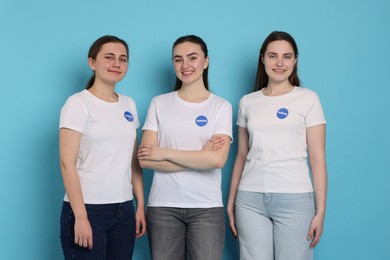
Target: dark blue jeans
<point>113,231</point>
<point>186,233</point>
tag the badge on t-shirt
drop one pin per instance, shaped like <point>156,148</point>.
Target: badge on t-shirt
<point>129,117</point>
<point>282,113</point>
<point>201,121</point>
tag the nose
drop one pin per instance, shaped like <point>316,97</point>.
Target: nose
<point>184,64</point>
<point>279,62</point>
<point>116,63</point>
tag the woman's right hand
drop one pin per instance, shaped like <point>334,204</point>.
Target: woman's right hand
<point>231,216</point>
<point>83,233</point>
<point>214,144</point>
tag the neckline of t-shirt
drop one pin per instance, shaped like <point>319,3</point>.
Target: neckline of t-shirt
<point>192,104</point>
<point>281,96</point>
<point>101,100</point>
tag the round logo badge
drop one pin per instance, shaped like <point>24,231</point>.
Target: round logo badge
<point>129,117</point>
<point>201,121</point>
<point>282,113</point>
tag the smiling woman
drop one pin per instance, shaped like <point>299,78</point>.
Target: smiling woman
<point>97,131</point>
<point>272,208</point>
<point>185,210</point>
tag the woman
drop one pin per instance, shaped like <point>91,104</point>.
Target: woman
<point>98,144</point>
<point>271,205</point>
<point>186,139</point>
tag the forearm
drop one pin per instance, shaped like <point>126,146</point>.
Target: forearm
<point>204,159</point>
<point>162,166</point>
<point>320,184</point>
<point>74,193</point>
<point>138,189</point>
<point>316,150</point>
<point>235,180</point>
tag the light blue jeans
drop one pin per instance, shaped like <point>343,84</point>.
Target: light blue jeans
<point>274,226</point>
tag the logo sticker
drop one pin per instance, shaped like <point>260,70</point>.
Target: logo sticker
<point>201,121</point>
<point>282,113</point>
<point>129,117</point>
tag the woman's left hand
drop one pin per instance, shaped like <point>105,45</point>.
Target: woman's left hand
<point>151,152</point>
<point>140,223</point>
<point>316,228</point>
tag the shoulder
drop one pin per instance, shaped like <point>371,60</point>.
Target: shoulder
<point>167,98</point>
<point>220,100</point>
<point>305,91</point>
<point>126,99</point>
<point>77,99</point>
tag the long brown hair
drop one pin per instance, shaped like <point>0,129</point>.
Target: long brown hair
<point>97,46</point>
<point>261,76</point>
<point>197,40</point>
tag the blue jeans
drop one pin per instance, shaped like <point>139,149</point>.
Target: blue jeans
<point>175,232</point>
<point>113,231</point>
<point>274,225</point>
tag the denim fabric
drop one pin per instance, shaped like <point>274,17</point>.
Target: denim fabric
<point>113,232</point>
<point>274,225</point>
<point>174,233</point>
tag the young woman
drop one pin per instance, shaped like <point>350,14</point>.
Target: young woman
<point>186,139</point>
<point>100,169</point>
<point>271,206</point>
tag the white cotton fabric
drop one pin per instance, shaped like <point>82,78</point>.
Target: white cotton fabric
<point>179,126</point>
<point>277,158</point>
<point>106,148</point>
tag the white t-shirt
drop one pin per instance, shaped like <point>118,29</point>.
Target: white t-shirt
<point>277,157</point>
<point>183,125</point>
<point>106,148</point>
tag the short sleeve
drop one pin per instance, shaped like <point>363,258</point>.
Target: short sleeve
<point>151,121</point>
<point>73,114</point>
<point>224,120</point>
<point>315,114</point>
<point>241,121</point>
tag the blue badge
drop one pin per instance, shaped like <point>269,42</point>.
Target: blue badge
<point>129,117</point>
<point>201,121</point>
<point>282,113</point>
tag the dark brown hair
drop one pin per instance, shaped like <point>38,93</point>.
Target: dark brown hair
<point>197,40</point>
<point>97,46</point>
<point>261,76</point>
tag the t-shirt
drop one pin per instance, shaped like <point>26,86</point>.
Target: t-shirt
<point>106,147</point>
<point>183,125</point>
<point>277,157</point>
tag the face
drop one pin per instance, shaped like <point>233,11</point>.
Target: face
<point>189,62</point>
<point>279,60</point>
<point>111,63</point>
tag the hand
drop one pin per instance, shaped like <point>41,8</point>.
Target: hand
<point>83,233</point>
<point>315,232</point>
<point>231,216</point>
<point>150,152</point>
<point>140,223</point>
<point>214,144</point>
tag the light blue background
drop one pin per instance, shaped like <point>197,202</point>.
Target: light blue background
<point>345,58</point>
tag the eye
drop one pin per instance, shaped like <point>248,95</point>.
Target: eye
<point>123,60</point>
<point>108,57</point>
<point>192,58</point>
<point>176,60</point>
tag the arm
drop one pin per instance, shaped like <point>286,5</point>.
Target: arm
<point>197,160</point>
<point>238,168</point>
<point>316,149</point>
<point>69,149</point>
<point>150,138</point>
<point>138,190</point>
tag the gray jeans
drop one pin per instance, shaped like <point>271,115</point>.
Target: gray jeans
<point>175,233</point>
